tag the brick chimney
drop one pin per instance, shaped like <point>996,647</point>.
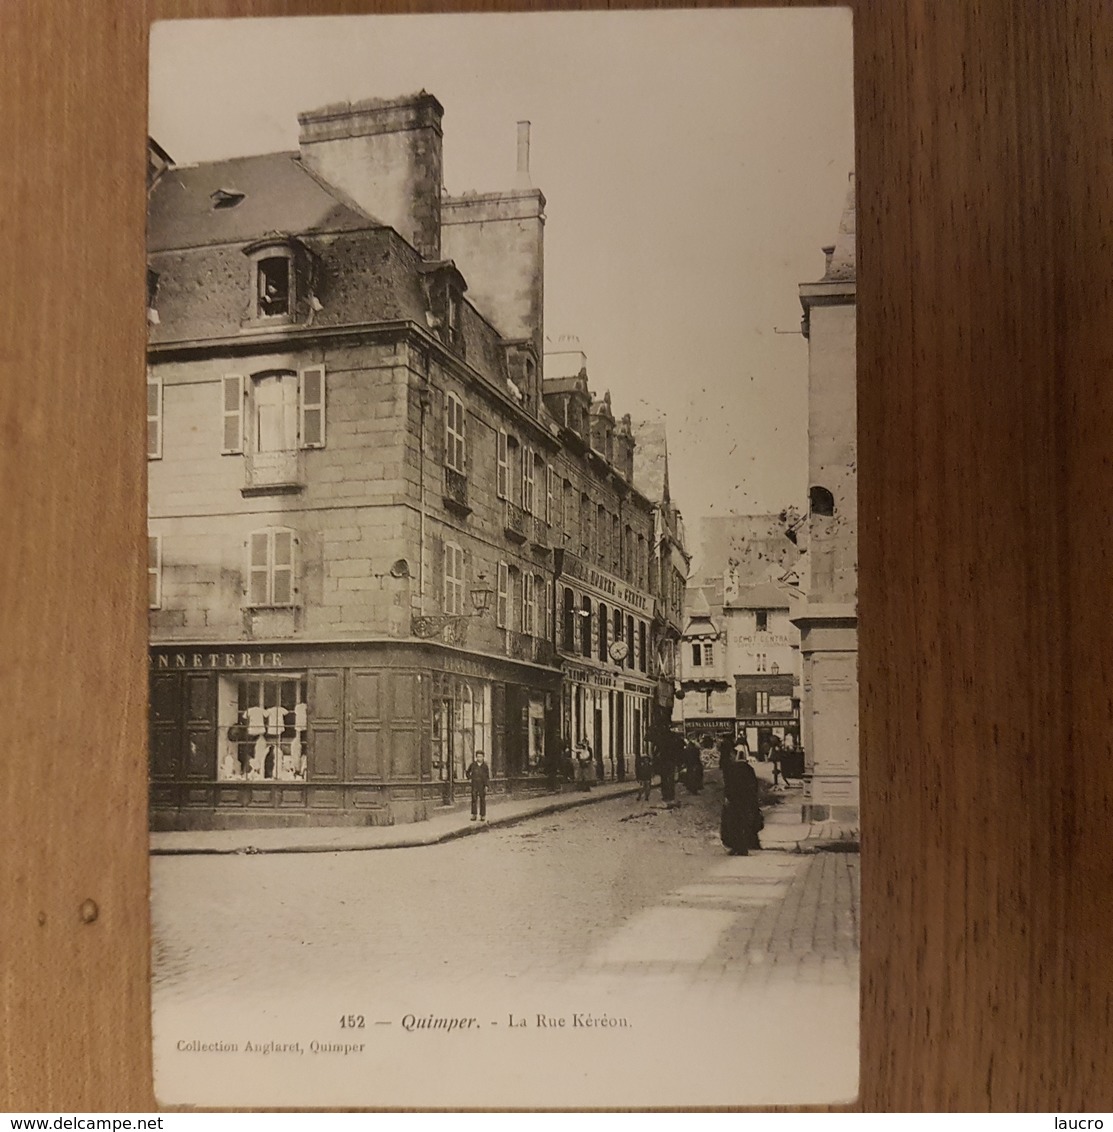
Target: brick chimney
<point>385,154</point>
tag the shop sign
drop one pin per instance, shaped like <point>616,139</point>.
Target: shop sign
<point>641,689</point>
<point>573,567</point>
<point>589,676</point>
<point>709,726</point>
<point>783,720</point>
<point>177,660</point>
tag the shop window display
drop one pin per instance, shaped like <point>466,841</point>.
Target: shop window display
<point>263,723</point>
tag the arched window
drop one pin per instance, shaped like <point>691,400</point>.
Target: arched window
<point>642,657</point>
<point>569,620</point>
<point>585,628</point>
<point>602,631</point>
<point>821,501</point>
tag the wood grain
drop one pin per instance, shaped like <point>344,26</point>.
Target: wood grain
<point>985,169</point>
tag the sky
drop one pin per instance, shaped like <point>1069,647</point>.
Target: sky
<point>694,163</point>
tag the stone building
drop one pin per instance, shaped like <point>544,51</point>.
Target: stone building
<point>363,493</point>
<point>605,627</point>
<point>669,561</point>
<point>828,621</point>
<point>747,576</point>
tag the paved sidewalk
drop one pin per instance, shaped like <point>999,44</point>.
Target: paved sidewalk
<point>445,826</point>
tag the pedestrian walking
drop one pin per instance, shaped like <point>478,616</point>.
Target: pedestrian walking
<point>741,748</point>
<point>585,771</point>
<point>479,774</point>
<point>775,754</point>
<point>670,757</point>
<point>693,766</point>
<point>643,769</point>
<point>741,819</point>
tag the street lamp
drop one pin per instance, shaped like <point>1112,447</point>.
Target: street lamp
<point>434,624</point>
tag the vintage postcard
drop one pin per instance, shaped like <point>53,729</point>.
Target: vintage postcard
<point>503,564</point>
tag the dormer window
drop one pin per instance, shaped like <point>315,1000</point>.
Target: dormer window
<point>282,275</point>
<point>274,286</point>
<point>225,198</point>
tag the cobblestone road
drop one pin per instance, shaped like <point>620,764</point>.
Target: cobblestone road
<point>606,907</point>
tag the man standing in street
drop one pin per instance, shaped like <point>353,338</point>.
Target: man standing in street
<point>479,774</point>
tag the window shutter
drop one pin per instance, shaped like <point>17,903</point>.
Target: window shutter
<point>550,476</point>
<point>233,394</point>
<point>282,573</point>
<point>258,568</point>
<point>461,439</point>
<point>311,407</point>
<point>154,571</point>
<point>502,457</point>
<point>446,435</point>
<point>154,418</point>
<point>503,607</point>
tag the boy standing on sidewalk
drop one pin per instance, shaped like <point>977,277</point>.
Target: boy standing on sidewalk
<point>479,775</point>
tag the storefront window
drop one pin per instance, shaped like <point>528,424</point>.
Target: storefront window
<point>263,722</point>
<point>461,726</point>
<point>536,740</point>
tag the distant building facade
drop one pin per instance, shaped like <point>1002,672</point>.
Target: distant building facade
<point>669,561</point>
<point>740,658</point>
<point>367,502</point>
<point>828,620</point>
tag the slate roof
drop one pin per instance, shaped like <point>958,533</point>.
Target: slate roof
<point>765,596</point>
<point>366,276</point>
<point>279,195</point>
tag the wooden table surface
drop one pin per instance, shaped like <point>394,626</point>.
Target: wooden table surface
<point>985,355</point>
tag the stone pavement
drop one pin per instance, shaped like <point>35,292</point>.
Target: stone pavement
<point>452,823</point>
<point>783,828</point>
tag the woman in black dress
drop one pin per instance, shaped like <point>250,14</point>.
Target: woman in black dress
<point>741,819</point>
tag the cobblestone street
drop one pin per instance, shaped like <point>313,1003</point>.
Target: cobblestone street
<point>602,908</point>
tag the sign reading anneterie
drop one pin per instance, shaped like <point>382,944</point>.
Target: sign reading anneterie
<point>170,660</point>
<point>574,567</point>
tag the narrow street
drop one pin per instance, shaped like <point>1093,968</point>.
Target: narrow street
<point>627,920</point>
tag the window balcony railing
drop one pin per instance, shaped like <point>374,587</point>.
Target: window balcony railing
<point>273,473</point>
<point>456,490</point>
<point>515,521</point>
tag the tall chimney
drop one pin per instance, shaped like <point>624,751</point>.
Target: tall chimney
<point>523,181</point>
<point>498,241</point>
<point>386,155</point>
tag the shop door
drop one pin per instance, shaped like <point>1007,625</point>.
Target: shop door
<point>383,725</point>
<point>620,735</point>
<point>326,725</point>
<point>597,735</point>
<point>200,726</point>
<point>517,709</point>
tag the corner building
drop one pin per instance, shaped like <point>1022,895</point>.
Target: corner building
<point>357,500</point>
<point>828,619</point>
